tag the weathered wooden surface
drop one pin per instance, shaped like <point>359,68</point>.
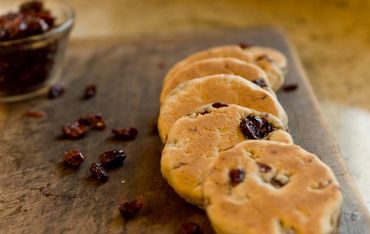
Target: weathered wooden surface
<point>38,195</point>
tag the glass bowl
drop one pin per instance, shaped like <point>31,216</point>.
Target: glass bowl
<point>30,64</point>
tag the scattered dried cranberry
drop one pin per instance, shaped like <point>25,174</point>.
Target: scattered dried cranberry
<point>129,209</point>
<point>74,131</point>
<point>245,45</point>
<point>161,64</point>
<point>90,91</point>
<point>99,124</point>
<point>264,57</point>
<point>219,105</point>
<point>290,87</point>
<point>94,121</point>
<point>112,158</point>
<point>254,127</point>
<point>236,176</point>
<point>190,228</point>
<point>79,128</point>
<point>55,91</point>
<point>73,158</point>
<point>85,120</point>
<point>260,82</point>
<point>97,170</point>
<point>35,114</point>
<point>264,168</point>
<point>127,134</point>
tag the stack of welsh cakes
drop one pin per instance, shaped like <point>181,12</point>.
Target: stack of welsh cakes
<point>228,151</point>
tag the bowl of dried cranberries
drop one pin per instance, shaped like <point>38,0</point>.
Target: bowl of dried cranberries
<point>33,39</point>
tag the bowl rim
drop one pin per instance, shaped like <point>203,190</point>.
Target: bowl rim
<point>64,26</point>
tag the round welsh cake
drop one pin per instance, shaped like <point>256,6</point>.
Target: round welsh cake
<point>222,88</point>
<point>215,66</point>
<point>271,188</point>
<point>269,59</point>
<point>227,51</point>
<point>196,140</point>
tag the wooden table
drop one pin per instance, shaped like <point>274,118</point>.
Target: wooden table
<point>39,195</point>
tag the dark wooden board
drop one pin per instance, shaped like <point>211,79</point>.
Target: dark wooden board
<point>38,195</point>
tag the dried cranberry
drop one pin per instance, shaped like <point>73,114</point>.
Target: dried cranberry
<point>97,170</point>
<point>245,45</point>
<point>260,82</point>
<point>129,209</point>
<point>190,228</point>
<point>290,87</point>
<point>277,183</point>
<point>55,91</point>
<point>94,121</point>
<point>30,26</point>
<point>35,114</point>
<point>7,18</point>
<point>264,168</point>
<point>219,105</point>
<point>161,64</point>
<point>112,158</point>
<point>9,24</point>
<point>47,17</point>
<point>236,176</point>
<point>128,134</point>
<point>264,57</point>
<point>74,130</point>
<point>31,6</point>
<point>73,158</point>
<point>254,127</point>
<point>204,112</point>
<point>99,125</point>
<point>154,130</point>
<point>85,120</point>
<point>90,91</point>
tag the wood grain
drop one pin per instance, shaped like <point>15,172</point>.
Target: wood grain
<point>38,195</point>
